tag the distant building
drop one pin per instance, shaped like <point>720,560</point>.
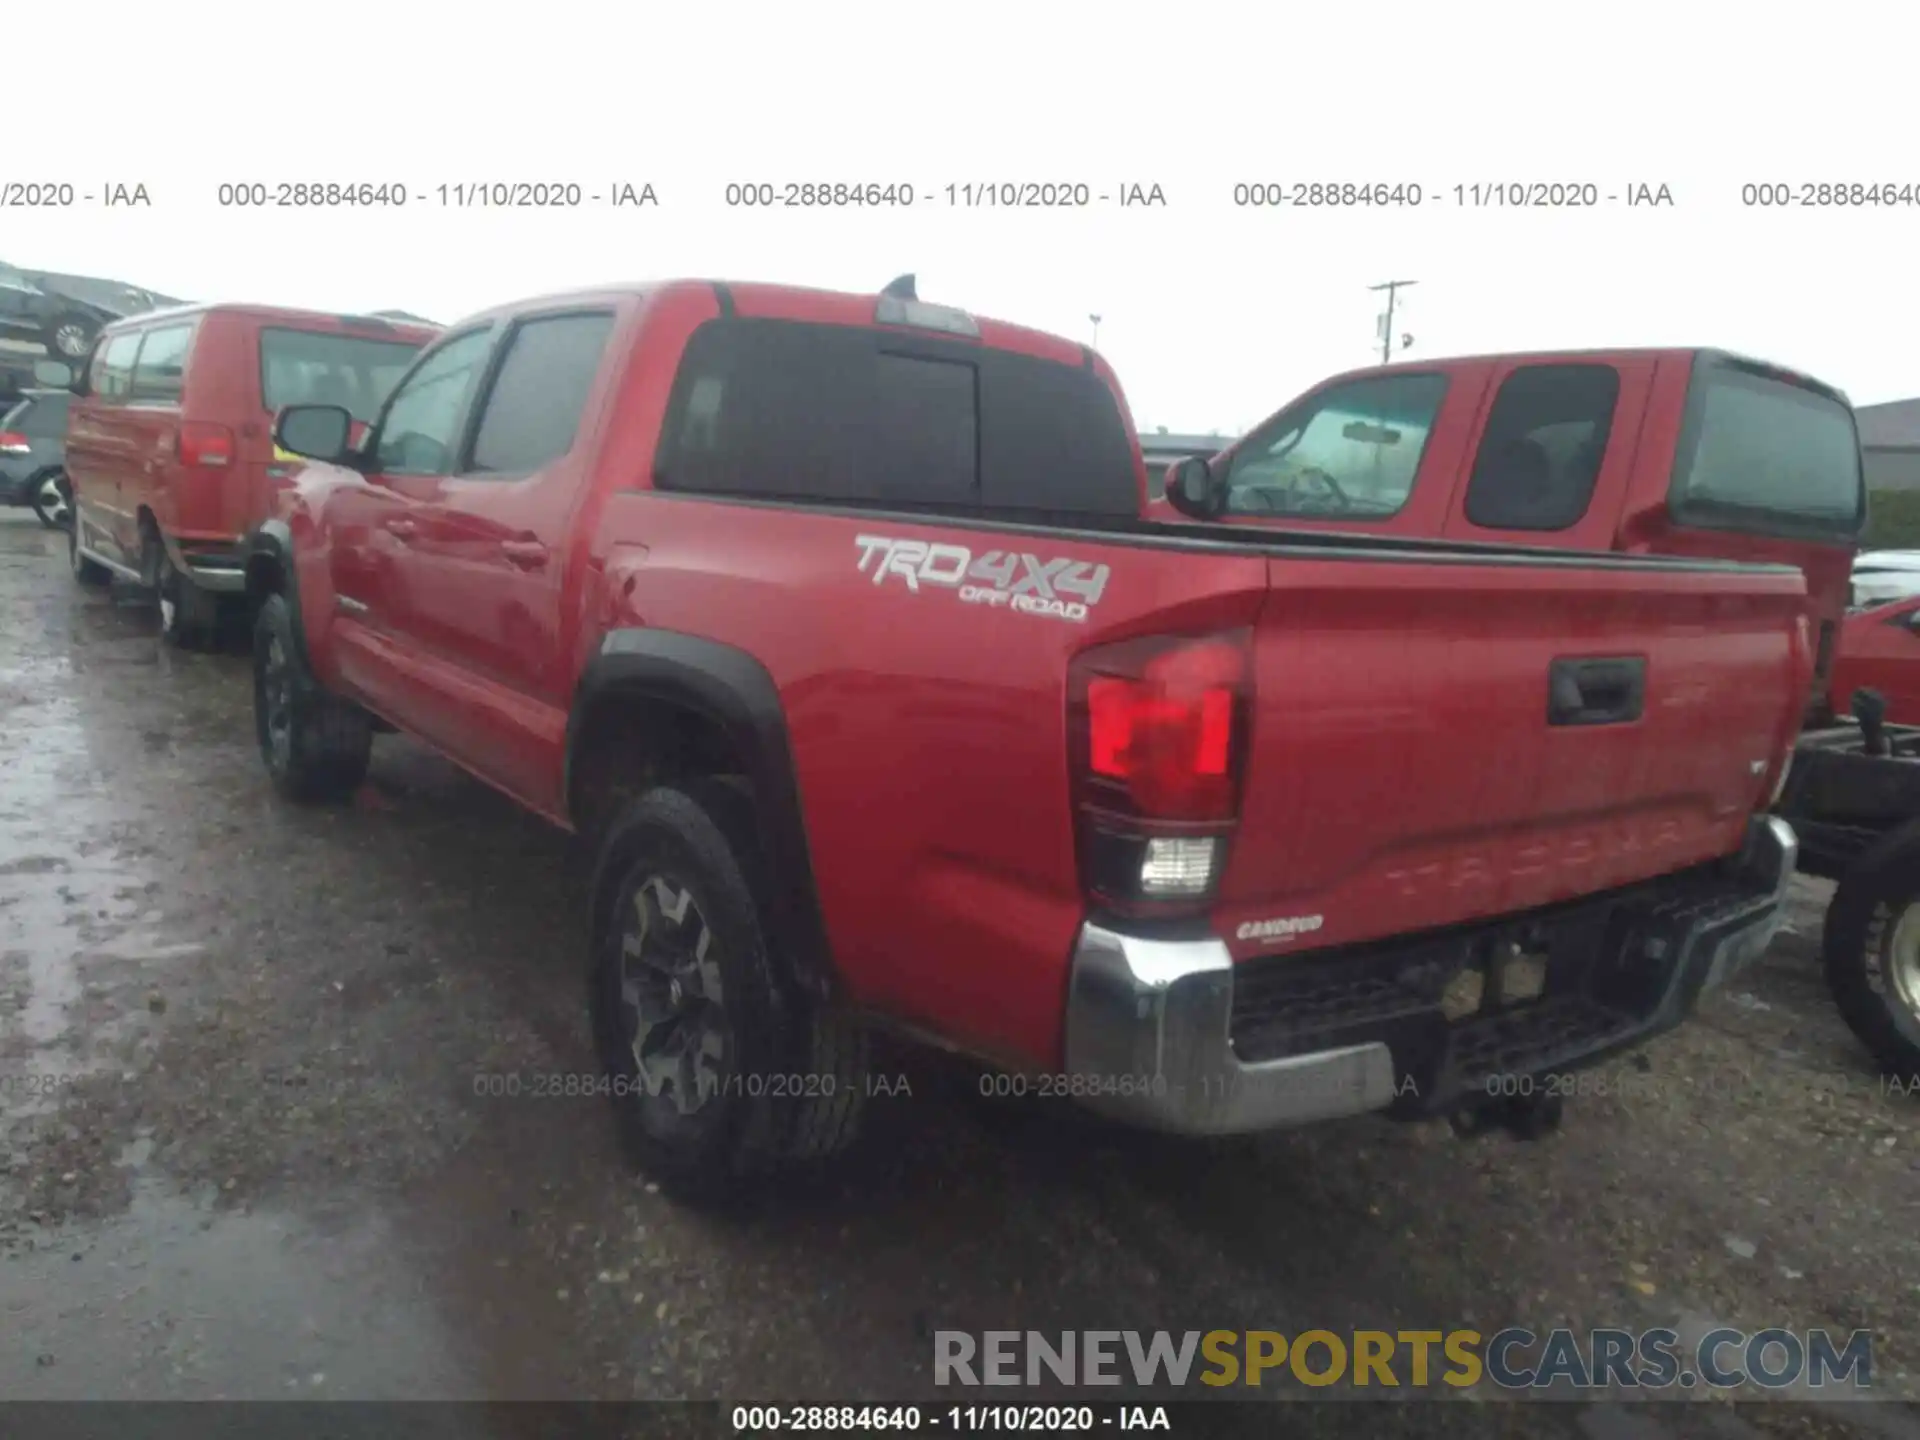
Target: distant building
<point>1890,444</point>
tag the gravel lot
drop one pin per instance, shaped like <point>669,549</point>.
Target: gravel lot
<point>244,1150</point>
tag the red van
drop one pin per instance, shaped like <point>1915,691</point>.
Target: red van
<point>170,442</point>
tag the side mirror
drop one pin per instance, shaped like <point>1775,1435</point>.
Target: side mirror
<point>315,432</point>
<point>53,374</point>
<point>1195,489</point>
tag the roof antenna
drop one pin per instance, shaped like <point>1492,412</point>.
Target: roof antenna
<point>901,288</point>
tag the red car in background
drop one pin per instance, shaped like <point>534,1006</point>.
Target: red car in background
<point>1880,650</point>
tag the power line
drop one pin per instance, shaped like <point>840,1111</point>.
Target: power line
<point>1393,288</point>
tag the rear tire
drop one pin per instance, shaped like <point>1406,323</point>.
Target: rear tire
<point>87,572</point>
<point>721,1073</point>
<point>1872,952</point>
<point>70,337</point>
<point>189,613</point>
<point>51,501</point>
<point>316,746</point>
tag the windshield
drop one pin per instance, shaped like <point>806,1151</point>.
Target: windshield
<point>311,367</point>
<point>1761,453</point>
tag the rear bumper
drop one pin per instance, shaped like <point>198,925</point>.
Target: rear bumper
<point>217,566</point>
<point>1173,1035</point>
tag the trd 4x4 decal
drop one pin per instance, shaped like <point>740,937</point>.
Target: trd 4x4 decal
<point>1064,589</point>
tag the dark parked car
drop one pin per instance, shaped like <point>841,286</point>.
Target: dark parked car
<point>33,455</point>
<point>34,308</point>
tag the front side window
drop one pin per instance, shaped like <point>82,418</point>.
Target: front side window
<point>160,369</point>
<point>421,429</point>
<point>1349,452</point>
<point>113,366</point>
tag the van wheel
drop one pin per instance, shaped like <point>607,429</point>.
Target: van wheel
<point>719,1073</point>
<point>1872,951</point>
<point>50,501</point>
<point>189,614</point>
<point>87,572</point>
<point>315,745</point>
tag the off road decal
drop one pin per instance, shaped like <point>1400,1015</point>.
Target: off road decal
<point>1060,589</point>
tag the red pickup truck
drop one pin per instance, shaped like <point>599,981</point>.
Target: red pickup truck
<point>1674,452</point>
<point>831,622</point>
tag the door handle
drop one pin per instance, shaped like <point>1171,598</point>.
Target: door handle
<point>527,554</point>
<point>402,529</point>
<point>1596,692</point>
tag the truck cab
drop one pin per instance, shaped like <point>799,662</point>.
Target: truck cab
<point>1686,452</point>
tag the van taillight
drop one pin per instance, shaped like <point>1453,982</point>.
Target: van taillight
<point>1159,729</point>
<point>12,442</point>
<point>199,443</point>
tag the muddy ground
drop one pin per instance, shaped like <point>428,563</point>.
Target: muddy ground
<point>246,1148</point>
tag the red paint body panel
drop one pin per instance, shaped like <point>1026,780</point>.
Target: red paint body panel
<point>1401,773</point>
<point>1880,650</point>
<point>1629,508</point>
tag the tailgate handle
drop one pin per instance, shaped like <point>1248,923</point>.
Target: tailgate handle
<point>1596,692</point>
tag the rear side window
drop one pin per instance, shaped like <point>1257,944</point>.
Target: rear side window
<point>113,367</point>
<point>318,367</point>
<point>1541,451</point>
<point>1763,454</point>
<point>825,412</point>
<point>42,418</point>
<point>159,372</point>
<point>532,410</point>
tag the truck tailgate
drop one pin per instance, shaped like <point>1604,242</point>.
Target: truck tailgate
<point>1438,740</point>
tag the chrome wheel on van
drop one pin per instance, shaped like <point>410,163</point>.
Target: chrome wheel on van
<point>71,339</point>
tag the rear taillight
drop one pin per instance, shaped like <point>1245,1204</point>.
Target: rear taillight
<point>199,443</point>
<point>1158,728</point>
<point>12,442</point>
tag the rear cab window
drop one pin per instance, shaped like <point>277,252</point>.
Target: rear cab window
<point>319,367</point>
<point>823,412</point>
<point>1768,454</point>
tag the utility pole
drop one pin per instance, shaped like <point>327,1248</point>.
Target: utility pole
<point>1096,330</point>
<point>1393,288</point>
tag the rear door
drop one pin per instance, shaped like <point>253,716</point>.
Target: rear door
<point>104,460</point>
<point>166,480</point>
<point>486,566</point>
<point>1553,453</point>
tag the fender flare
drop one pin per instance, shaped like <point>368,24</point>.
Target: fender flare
<point>734,691</point>
<point>273,540</point>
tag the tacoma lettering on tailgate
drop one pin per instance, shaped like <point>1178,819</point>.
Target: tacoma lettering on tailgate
<point>1062,589</point>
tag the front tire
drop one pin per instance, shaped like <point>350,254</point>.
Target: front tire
<point>315,745</point>
<point>721,1073</point>
<point>87,572</point>
<point>1872,951</point>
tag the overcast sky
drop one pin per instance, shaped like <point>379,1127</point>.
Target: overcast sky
<point>1213,314</point>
